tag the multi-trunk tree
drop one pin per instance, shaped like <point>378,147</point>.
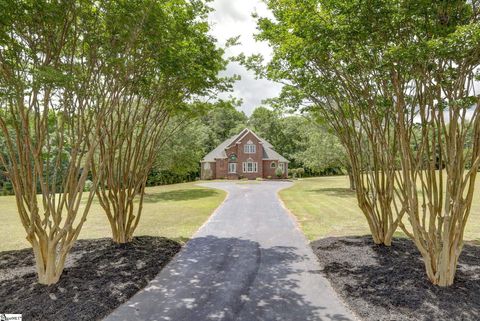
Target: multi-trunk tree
<point>49,121</point>
<point>312,57</point>
<point>437,107</point>
<point>87,89</point>
<point>396,79</point>
<point>166,60</point>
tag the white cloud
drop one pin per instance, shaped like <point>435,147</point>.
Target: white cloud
<point>234,18</point>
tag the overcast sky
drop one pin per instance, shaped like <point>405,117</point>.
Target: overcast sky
<point>234,18</point>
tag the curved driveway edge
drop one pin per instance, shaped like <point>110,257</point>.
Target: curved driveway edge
<point>248,262</point>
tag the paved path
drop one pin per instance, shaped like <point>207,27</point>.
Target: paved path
<point>248,262</point>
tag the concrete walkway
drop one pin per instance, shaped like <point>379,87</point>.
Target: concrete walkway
<point>248,262</point>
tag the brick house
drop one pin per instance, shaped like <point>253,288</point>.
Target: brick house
<point>244,155</point>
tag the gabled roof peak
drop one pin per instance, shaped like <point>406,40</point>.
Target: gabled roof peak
<point>219,151</point>
<point>244,132</point>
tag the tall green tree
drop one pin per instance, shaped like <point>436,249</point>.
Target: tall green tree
<point>224,120</point>
<point>179,158</point>
<point>161,61</point>
<point>312,57</point>
<point>50,80</point>
<point>266,123</point>
<point>319,150</point>
<point>281,130</point>
<point>378,71</point>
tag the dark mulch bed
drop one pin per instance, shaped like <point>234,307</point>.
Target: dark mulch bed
<point>98,277</point>
<point>380,283</point>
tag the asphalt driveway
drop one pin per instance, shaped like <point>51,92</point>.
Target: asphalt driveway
<point>248,262</point>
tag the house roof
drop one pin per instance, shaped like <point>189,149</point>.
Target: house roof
<point>219,152</point>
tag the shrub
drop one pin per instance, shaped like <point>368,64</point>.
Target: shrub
<point>293,172</point>
<point>164,177</point>
<point>88,186</point>
<point>7,188</point>
<point>300,172</point>
<point>279,172</point>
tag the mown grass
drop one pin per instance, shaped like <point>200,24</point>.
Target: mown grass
<point>173,211</point>
<point>324,206</point>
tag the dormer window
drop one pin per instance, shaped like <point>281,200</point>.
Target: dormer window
<point>249,148</point>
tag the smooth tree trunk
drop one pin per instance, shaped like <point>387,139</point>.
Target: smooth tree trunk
<point>439,201</point>
<point>49,84</point>
<point>351,180</point>
<point>128,158</point>
<point>371,153</point>
<point>49,262</point>
<point>126,216</point>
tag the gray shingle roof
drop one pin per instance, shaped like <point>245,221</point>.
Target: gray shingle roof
<point>271,154</point>
<point>219,152</point>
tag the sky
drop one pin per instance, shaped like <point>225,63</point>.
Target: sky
<point>234,18</point>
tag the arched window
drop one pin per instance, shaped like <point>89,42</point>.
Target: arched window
<point>273,165</point>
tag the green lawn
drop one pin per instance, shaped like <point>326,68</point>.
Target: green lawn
<point>324,206</point>
<point>173,211</point>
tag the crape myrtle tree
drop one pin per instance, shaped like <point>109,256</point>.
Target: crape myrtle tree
<point>425,56</point>
<point>49,120</point>
<point>163,61</point>
<point>312,58</point>
<point>402,66</point>
<point>438,120</point>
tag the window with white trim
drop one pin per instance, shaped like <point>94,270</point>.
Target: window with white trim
<point>232,168</point>
<point>249,148</point>
<point>250,167</point>
<point>282,167</point>
<point>273,165</point>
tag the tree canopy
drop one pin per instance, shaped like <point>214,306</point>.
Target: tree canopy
<point>395,81</point>
<point>87,90</point>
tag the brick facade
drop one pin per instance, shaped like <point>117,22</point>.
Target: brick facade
<point>269,171</point>
<point>235,152</point>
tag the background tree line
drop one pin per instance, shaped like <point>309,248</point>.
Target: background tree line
<point>304,139</point>
<point>296,137</point>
